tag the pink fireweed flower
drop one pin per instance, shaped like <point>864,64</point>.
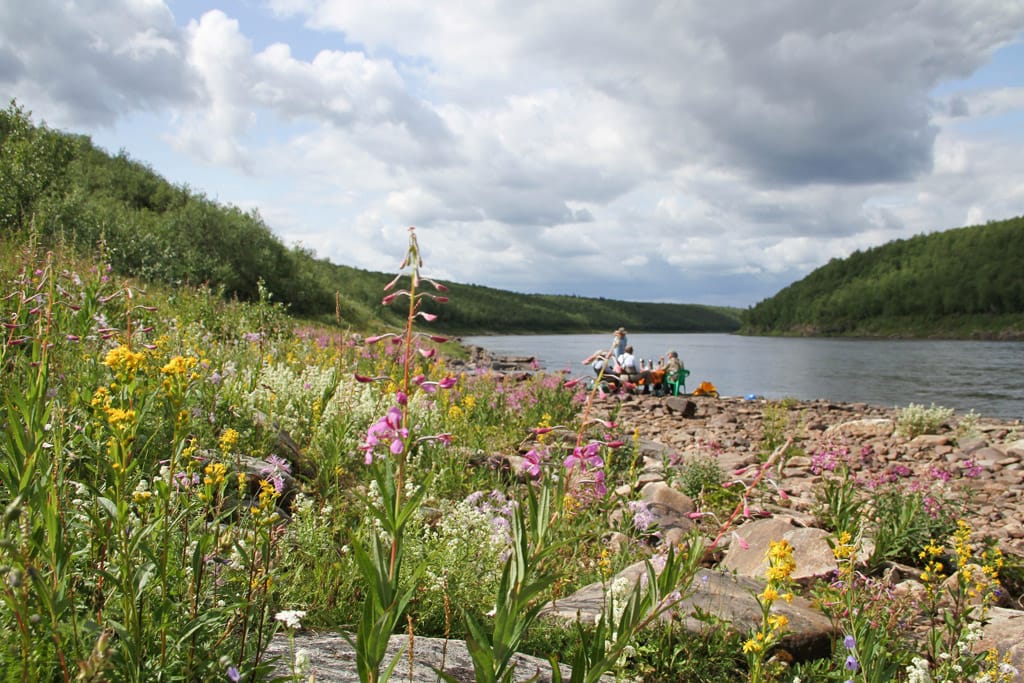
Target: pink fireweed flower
<point>448,382</point>
<point>376,338</point>
<point>429,317</point>
<point>389,430</point>
<point>740,541</point>
<point>572,382</point>
<point>390,297</point>
<point>584,456</point>
<point>436,338</point>
<point>618,443</point>
<point>531,464</point>
<point>401,398</point>
<point>427,353</point>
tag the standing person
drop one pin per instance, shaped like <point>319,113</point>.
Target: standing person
<point>619,342</point>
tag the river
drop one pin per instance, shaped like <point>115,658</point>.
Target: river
<point>987,377</point>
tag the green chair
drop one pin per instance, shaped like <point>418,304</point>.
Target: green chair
<point>675,379</point>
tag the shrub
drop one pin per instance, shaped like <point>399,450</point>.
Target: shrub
<point>915,419</point>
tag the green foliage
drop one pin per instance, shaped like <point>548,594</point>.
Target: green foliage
<point>915,419</point>
<point>698,475</point>
<point>905,520</point>
<point>957,283</point>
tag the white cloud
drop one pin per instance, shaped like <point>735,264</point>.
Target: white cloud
<point>669,150</point>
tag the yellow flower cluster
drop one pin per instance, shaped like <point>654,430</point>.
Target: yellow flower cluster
<point>123,361</point>
<point>120,418</point>
<point>228,440</point>
<point>215,472</point>
<point>934,570</point>
<point>179,365</point>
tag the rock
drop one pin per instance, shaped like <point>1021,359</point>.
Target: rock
<point>1005,632</point>
<point>811,551</point>
<point>724,595</point>
<point>333,660</point>
<point>681,406</point>
<point>864,428</point>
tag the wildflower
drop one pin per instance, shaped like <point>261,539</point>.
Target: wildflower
<point>233,674</point>
<point>291,618</point>
<point>228,440</point>
<point>120,418</point>
<point>851,663</point>
<point>178,365</point>
<point>849,642</point>
<point>532,463</point>
<point>123,361</point>
<point>387,429</point>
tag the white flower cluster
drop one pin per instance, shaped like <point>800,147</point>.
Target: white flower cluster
<point>291,618</point>
<point>289,398</point>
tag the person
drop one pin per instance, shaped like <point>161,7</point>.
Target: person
<point>657,374</point>
<point>673,362</point>
<point>633,369</point>
<point>603,363</point>
<point>619,342</point>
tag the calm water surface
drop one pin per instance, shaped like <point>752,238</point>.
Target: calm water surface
<point>987,377</point>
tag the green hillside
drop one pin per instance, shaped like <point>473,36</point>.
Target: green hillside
<point>961,283</point>
<point>62,189</point>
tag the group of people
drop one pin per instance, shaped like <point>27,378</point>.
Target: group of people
<point>620,365</point>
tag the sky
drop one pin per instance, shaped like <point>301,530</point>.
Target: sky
<point>663,150</point>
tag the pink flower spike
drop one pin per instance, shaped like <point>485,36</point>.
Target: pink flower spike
<point>418,379</point>
<point>571,383</point>
<point>402,398</point>
<point>388,299</point>
<point>739,540</point>
<point>448,382</point>
<point>427,353</point>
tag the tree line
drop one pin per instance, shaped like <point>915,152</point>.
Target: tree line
<point>60,187</point>
<point>956,283</point>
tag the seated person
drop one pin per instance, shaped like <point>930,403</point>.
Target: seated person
<point>603,363</point>
<point>633,370</point>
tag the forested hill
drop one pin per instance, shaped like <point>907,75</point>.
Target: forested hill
<point>961,283</point>
<point>61,189</point>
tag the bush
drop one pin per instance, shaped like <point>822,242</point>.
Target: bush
<point>915,419</point>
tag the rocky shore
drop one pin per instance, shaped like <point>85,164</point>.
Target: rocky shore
<point>976,461</point>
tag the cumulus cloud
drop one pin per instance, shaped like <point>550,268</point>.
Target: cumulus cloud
<point>661,151</point>
<point>89,63</point>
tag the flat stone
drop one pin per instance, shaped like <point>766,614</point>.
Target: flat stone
<point>333,660</point>
<point>863,428</point>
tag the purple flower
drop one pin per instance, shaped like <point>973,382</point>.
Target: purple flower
<point>851,663</point>
<point>387,429</point>
<point>233,674</point>
<point>532,464</point>
<point>850,642</point>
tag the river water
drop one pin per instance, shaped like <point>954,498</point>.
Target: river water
<point>987,377</point>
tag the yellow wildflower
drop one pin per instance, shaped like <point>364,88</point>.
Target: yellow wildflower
<point>778,621</point>
<point>120,418</point>
<point>215,473</point>
<point>228,440</point>
<point>122,360</point>
<point>178,365</point>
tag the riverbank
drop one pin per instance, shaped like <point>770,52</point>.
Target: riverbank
<point>980,460</point>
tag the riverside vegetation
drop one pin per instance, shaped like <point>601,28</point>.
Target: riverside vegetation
<point>143,541</point>
<point>72,191</point>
